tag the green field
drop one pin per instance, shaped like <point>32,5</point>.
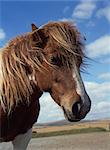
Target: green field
<point>73,131</point>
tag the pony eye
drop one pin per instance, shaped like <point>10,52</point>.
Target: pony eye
<point>54,60</point>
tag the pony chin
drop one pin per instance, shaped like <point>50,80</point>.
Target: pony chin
<point>71,117</point>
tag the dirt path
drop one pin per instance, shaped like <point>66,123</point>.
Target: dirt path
<point>90,141</point>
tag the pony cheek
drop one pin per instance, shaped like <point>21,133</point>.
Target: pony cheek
<point>55,96</point>
<point>44,81</point>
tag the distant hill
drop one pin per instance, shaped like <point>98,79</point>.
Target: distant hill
<point>64,125</point>
<point>64,122</point>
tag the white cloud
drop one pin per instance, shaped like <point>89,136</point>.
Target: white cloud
<point>100,97</point>
<point>50,111</point>
<point>106,61</point>
<point>90,24</point>
<point>103,106</point>
<point>104,12</point>
<point>66,9</point>
<point>98,91</point>
<point>2,34</point>
<point>100,110</point>
<point>66,19</point>
<point>84,10</point>
<point>99,47</point>
<point>105,76</point>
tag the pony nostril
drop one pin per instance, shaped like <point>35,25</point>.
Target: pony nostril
<point>76,108</point>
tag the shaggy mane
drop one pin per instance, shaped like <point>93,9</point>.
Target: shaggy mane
<point>68,40</point>
<point>20,58</point>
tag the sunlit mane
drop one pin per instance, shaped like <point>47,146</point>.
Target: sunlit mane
<point>20,58</point>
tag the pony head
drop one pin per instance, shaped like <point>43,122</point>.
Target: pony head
<point>60,56</point>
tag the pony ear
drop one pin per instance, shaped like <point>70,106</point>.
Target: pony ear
<point>38,36</point>
<point>34,27</point>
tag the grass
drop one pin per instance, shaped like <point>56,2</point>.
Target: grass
<point>66,132</point>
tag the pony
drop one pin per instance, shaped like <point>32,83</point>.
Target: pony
<point>47,59</point>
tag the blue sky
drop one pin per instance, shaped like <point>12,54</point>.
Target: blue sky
<point>92,19</point>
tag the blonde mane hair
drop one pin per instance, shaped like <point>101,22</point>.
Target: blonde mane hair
<point>20,57</point>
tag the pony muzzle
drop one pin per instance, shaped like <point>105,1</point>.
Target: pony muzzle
<point>78,111</point>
